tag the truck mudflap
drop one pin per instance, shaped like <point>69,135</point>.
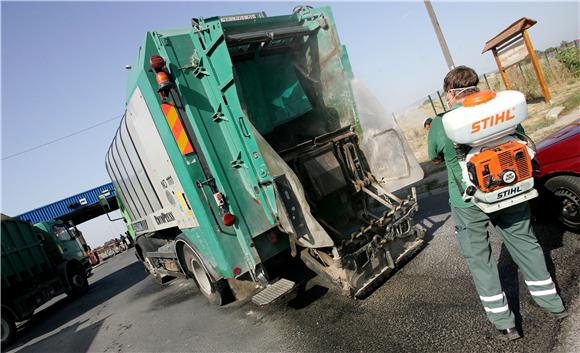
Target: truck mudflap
<point>371,230</point>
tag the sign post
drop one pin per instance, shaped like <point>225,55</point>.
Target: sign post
<point>537,67</point>
<point>502,71</point>
<point>512,46</point>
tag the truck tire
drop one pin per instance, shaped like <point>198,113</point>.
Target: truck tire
<point>76,278</point>
<point>8,328</point>
<point>216,292</point>
<point>565,192</point>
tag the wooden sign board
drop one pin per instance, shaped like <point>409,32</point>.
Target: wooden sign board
<point>513,54</point>
<point>513,45</point>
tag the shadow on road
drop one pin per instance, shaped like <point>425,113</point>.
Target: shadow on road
<point>550,237</point>
<point>67,309</point>
<point>180,291</point>
<point>305,297</point>
<point>68,339</point>
<point>430,210</point>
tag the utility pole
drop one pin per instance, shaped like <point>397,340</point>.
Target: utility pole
<point>439,34</point>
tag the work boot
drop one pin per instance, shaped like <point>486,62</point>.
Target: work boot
<point>509,334</point>
<point>559,316</point>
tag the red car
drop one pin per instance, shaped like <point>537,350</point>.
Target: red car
<point>558,178</point>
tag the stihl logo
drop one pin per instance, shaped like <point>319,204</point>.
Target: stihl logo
<point>491,121</point>
<point>509,192</point>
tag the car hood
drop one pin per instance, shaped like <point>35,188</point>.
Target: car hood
<point>560,135</point>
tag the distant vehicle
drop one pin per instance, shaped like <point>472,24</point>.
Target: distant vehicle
<point>558,178</point>
<point>38,263</point>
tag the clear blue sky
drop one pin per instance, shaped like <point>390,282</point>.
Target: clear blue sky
<point>62,70</point>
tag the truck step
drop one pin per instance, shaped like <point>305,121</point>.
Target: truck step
<point>273,292</point>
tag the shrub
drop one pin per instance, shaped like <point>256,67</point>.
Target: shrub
<point>570,58</point>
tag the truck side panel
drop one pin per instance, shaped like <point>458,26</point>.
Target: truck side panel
<point>22,253</point>
<point>218,245</point>
<point>156,162</point>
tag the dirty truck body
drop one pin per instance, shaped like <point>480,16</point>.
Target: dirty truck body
<point>38,263</point>
<point>240,144</point>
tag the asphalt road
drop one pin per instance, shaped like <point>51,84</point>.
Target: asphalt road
<point>429,305</point>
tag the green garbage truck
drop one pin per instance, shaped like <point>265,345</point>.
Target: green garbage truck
<point>247,140</point>
<point>39,262</point>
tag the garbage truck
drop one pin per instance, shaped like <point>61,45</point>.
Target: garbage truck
<point>246,141</point>
<point>39,262</point>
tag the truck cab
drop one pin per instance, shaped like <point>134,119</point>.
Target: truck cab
<point>65,239</point>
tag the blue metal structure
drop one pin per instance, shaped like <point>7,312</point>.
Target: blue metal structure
<point>79,208</point>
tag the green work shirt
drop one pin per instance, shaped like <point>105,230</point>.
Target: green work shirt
<point>440,146</point>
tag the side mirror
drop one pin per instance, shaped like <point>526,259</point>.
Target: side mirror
<point>104,203</point>
<point>106,206</point>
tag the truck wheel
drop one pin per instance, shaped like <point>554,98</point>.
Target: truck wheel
<point>216,292</point>
<point>77,280</point>
<point>565,191</point>
<point>8,328</point>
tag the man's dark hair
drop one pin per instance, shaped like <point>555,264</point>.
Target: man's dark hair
<point>460,77</point>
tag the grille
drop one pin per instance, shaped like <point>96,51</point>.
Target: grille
<point>523,168</point>
<point>506,159</point>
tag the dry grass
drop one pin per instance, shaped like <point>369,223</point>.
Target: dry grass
<point>523,78</point>
<point>572,102</point>
<point>565,91</point>
<point>538,126</point>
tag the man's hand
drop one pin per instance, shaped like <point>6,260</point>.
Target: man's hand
<point>437,160</point>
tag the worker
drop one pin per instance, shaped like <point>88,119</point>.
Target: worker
<point>124,240</point>
<point>131,243</point>
<point>471,223</point>
<point>117,243</point>
<point>427,123</point>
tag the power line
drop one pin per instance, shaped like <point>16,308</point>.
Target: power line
<point>62,138</point>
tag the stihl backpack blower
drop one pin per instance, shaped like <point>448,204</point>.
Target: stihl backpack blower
<point>496,163</point>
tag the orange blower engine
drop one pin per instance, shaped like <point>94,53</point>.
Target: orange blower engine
<point>496,163</point>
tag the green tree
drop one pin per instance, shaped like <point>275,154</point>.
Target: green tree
<point>570,58</point>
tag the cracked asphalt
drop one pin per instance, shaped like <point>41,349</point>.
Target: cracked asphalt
<point>428,305</point>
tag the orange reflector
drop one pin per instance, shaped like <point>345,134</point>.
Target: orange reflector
<point>177,129</point>
<point>162,79</point>
<point>478,98</point>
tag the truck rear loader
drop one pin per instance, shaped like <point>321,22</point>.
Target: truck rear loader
<point>247,139</point>
<point>39,263</point>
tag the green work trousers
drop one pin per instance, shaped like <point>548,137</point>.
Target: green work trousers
<point>513,224</point>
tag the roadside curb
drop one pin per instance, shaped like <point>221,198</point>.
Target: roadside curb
<point>98,265</point>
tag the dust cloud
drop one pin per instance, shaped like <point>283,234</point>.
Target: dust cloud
<point>386,149</point>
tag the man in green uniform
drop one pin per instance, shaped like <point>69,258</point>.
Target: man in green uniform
<point>471,223</point>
